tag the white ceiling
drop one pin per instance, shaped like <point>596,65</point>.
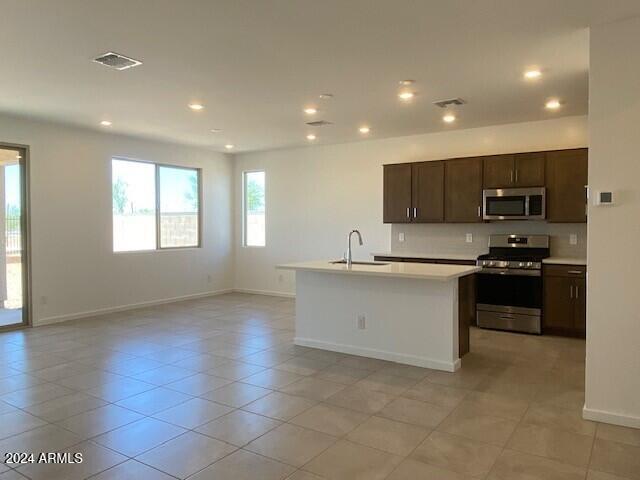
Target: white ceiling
<point>256,63</point>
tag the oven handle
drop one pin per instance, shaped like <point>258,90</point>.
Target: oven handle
<point>512,271</point>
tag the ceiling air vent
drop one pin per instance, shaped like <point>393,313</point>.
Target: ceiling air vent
<point>117,61</point>
<point>319,123</point>
<point>450,102</point>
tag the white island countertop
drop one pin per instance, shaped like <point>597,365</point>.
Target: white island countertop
<point>420,271</point>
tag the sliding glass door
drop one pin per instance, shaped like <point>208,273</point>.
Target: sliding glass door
<point>13,238</point>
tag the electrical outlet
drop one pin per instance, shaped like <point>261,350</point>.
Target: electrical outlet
<point>469,238</point>
<point>401,237</point>
<point>573,239</point>
<point>362,322</point>
<point>209,278</point>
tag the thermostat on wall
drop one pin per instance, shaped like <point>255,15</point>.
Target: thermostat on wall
<point>604,198</point>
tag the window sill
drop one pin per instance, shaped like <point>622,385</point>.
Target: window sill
<point>157,250</point>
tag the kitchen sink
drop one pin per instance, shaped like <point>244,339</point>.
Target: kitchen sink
<point>344,262</point>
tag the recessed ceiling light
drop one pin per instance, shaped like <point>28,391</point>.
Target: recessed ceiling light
<point>311,137</point>
<point>552,104</point>
<point>106,123</point>
<point>532,74</point>
<point>364,129</point>
<point>406,96</point>
<point>449,118</point>
<point>196,106</point>
<point>326,96</point>
<point>406,82</point>
<point>215,130</point>
<point>229,146</point>
<point>310,110</point>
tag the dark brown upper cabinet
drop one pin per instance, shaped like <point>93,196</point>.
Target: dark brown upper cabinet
<point>514,170</point>
<point>529,169</point>
<point>463,190</point>
<point>450,191</point>
<point>566,172</point>
<point>397,193</point>
<point>498,171</point>
<point>427,192</point>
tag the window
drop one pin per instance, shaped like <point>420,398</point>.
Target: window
<point>178,207</point>
<point>154,206</point>
<point>254,209</point>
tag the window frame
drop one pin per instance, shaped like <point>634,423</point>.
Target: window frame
<point>158,213</point>
<point>244,207</point>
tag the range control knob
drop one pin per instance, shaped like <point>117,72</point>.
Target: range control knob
<point>521,264</point>
<point>529,264</point>
<point>491,263</point>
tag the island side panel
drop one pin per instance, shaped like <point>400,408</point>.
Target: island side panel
<point>409,321</point>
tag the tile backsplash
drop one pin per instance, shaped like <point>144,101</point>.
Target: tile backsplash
<point>451,238</point>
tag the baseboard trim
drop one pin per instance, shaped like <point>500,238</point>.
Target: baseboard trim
<point>610,417</point>
<point>124,308</point>
<point>269,293</point>
<point>414,360</point>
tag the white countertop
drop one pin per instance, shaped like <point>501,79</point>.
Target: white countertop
<point>420,271</point>
<point>435,256</point>
<point>565,261</point>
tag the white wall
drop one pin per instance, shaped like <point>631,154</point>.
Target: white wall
<point>74,266</point>
<point>613,309</point>
<point>315,195</point>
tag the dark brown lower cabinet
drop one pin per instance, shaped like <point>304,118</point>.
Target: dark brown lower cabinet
<point>564,311</point>
<point>466,311</point>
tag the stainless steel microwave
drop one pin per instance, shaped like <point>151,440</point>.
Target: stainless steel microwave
<point>514,204</point>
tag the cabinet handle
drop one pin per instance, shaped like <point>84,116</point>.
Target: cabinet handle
<point>516,175</point>
<point>511,176</point>
<point>577,287</point>
<point>415,212</point>
<point>408,212</point>
<point>570,291</point>
<point>479,211</point>
<point>574,272</point>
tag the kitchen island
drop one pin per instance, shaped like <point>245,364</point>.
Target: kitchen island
<point>410,313</point>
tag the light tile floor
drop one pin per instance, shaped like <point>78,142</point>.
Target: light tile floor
<point>214,389</point>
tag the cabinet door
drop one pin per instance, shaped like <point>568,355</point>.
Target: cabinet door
<point>463,190</point>
<point>529,169</point>
<point>466,311</point>
<point>397,193</point>
<point>498,171</point>
<point>580,305</point>
<point>428,192</point>
<point>566,172</point>
<point>558,304</point>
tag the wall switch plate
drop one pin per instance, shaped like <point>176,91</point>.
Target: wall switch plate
<point>401,237</point>
<point>362,322</point>
<point>573,239</point>
<point>469,238</point>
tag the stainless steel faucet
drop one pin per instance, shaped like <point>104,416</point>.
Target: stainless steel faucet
<point>348,257</point>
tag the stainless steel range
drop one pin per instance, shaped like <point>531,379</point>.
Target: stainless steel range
<point>510,283</point>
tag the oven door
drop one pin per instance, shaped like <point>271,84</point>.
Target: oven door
<point>514,204</point>
<point>510,300</point>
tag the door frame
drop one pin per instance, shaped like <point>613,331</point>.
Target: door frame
<point>25,225</point>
